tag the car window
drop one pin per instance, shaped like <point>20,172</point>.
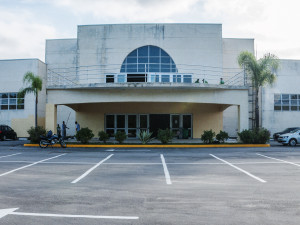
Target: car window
<point>9,129</point>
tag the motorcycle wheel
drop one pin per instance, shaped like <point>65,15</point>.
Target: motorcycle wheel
<point>43,144</point>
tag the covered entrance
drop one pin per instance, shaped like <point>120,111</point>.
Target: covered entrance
<point>133,124</point>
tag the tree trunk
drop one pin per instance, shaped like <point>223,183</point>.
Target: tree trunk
<point>256,109</point>
<point>36,102</point>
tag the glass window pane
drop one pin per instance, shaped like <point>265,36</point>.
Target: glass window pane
<point>4,95</point>
<point>187,121</point>
<point>293,102</point>
<point>142,68</point>
<point>166,68</point>
<point>4,101</point>
<point>121,78</point>
<point>131,121</point>
<point>187,78</point>
<point>154,60</point>
<point>12,101</point>
<point>110,79</point>
<point>131,60</point>
<point>175,121</point>
<point>110,132</point>
<point>154,51</point>
<point>177,78</point>
<point>163,53</point>
<point>20,107</point>
<point>165,60</point>
<point>285,97</point>
<point>277,108</point>
<point>294,108</point>
<point>110,121</point>
<point>4,107</point>
<point>13,95</point>
<point>120,121</point>
<point>277,102</point>
<point>143,51</point>
<point>165,78</point>
<point>293,96</point>
<point>143,60</point>
<point>131,68</point>
<point>285,102</point>
<point>143,121</point>
<point>132,133</point>
<point>285,108</point>
<point>154,78</point>
<point>133,53</point>
<point>277,97</point>
<point>153,68</point>
<point>12,106</point>
<point>123,68</point>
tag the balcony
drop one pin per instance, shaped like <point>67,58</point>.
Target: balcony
<point>94,77</point>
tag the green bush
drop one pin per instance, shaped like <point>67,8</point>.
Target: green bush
<point>208,136</point>
<point>103,136</point>
<point>165,136</point>
<point>257,136</point>
<point>222,136</point>
<point>120,136</point>
<point>84,135</point>
<point>145,137</point>
<point>35,133</point>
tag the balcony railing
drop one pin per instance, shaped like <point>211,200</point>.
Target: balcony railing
<point>72,77</point>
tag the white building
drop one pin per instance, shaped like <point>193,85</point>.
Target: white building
<point>134,77</point>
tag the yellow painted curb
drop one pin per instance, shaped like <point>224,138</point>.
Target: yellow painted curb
<point>157,146</point>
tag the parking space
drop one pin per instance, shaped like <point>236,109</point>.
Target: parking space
<point>149,186</point>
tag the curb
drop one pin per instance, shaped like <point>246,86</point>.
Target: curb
<point>157,146</point>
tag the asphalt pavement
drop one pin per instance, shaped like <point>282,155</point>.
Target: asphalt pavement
<point>149,186</point>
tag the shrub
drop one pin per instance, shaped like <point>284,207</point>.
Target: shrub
<point>103,136</point>
<point>257,136</point>
<point>222,136</point>
<point>120,136</point>
<point>145,137</point>
<point>84,135</point>
<point>35,133</point>
<point>165,136</point>
<point>208,136</point>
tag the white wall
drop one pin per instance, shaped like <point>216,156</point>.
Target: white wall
<point>11,77</point>
<point>288,82</point>
<point>187,44</point>
<point>232,47</point>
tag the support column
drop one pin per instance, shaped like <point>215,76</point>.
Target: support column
<point>51,117</point>
<point>243,120</point>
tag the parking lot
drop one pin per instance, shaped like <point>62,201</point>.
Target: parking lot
<point>149,186</point>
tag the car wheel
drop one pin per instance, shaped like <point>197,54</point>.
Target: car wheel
<point>292,142</point>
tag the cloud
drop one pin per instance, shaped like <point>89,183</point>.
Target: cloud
<point>22,36</point>
<point>129,10</point>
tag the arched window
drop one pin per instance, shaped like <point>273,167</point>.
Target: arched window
<point>148,59</point>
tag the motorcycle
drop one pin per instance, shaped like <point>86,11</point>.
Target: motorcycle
<point>54,139</point>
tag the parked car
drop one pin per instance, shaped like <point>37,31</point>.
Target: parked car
<point>6,132</point>
<point>291,138</point>
<point>287,130</point>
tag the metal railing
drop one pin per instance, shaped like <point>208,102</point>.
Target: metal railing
<point>101,74</point>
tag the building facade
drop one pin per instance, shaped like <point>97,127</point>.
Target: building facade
<point>145,77</point>
<point>136,77</point>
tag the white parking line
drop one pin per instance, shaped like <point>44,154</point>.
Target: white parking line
<point>278,160</point>
<point>23,167</point>
<point>167,175</point>
<point>91,169</point>
<point>244,171</point>
<point>9,155</point>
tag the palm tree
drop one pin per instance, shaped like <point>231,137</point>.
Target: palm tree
<point>34,86</point>
<point>262,72</point>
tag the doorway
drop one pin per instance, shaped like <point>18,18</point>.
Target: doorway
<point>159,121</point>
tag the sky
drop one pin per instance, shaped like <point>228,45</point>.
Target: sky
<point>26,24</point>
